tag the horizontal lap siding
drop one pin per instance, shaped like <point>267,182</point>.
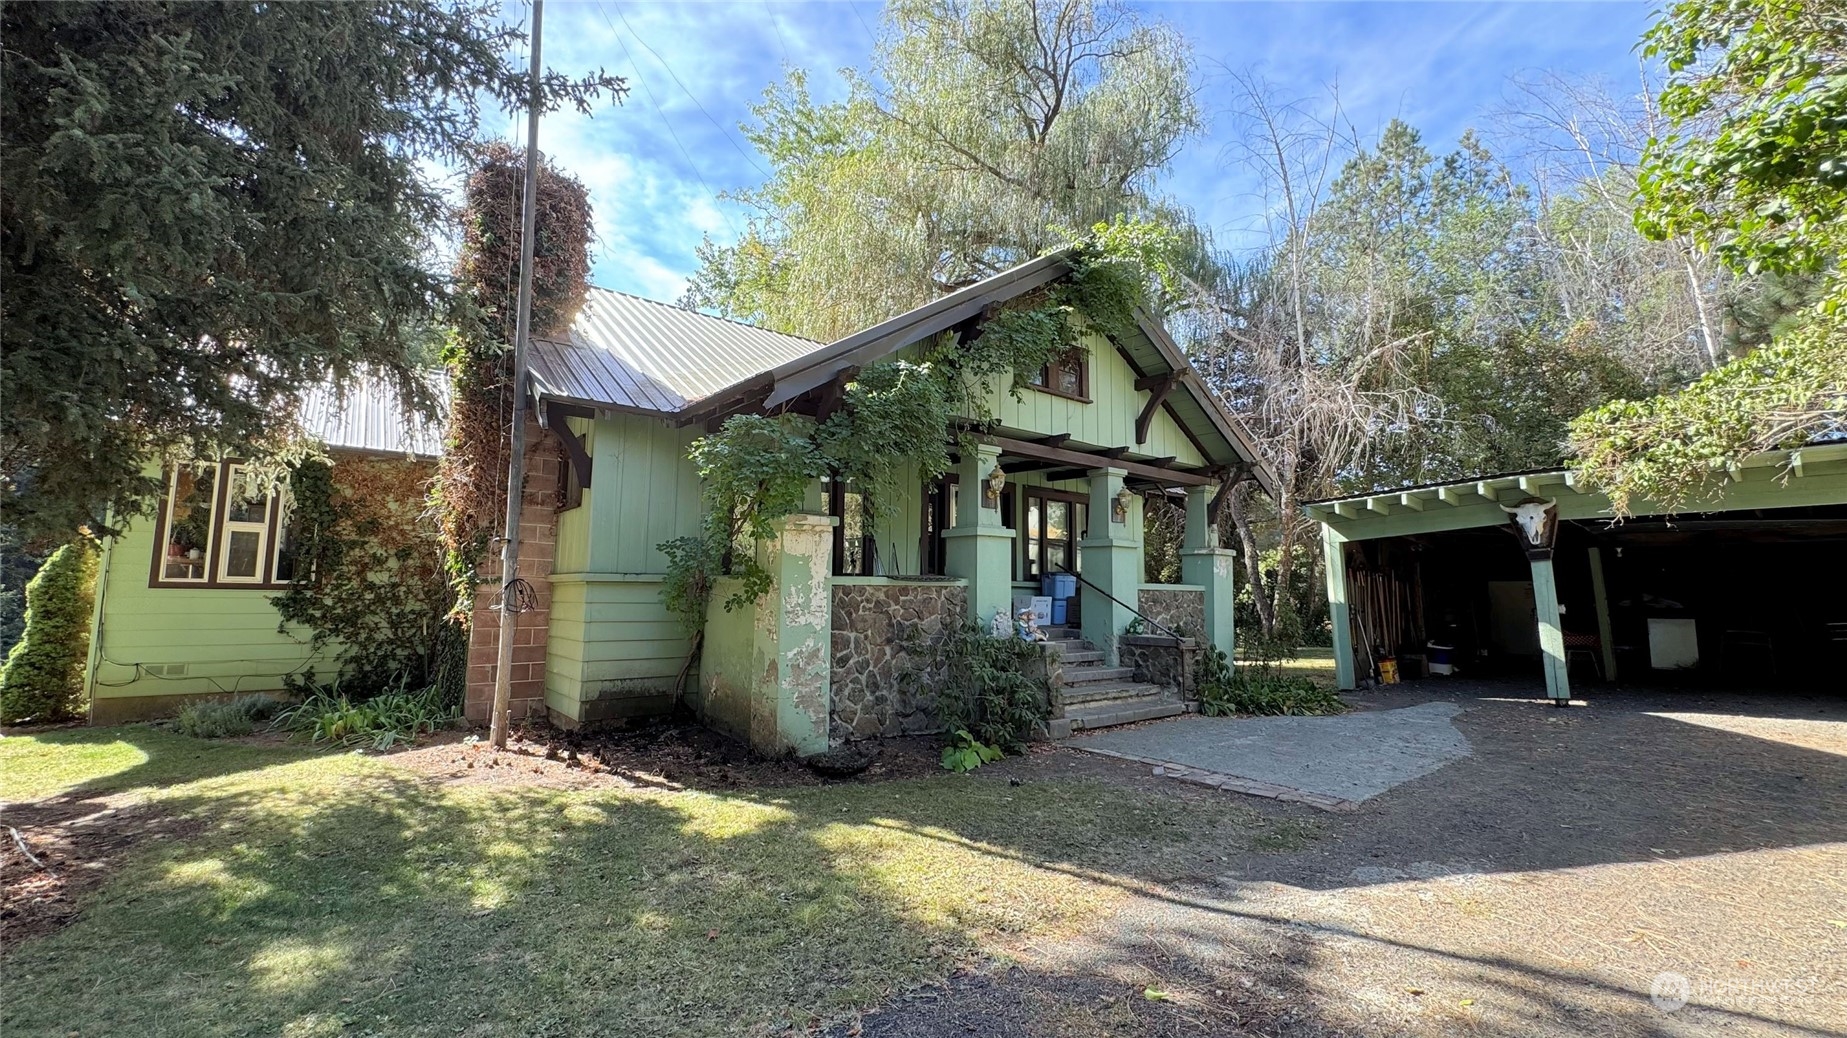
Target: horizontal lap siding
<point>611,638</point>
<point>226,638</point>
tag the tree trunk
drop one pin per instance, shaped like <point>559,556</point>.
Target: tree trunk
<point>1253,566</point>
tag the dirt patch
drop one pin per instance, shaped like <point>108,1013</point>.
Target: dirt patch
<point>77,845</point>
<point>659,755</point>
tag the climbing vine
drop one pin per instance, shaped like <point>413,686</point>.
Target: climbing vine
<point>369,578</point>
<point>894,420</point>
<point>470,494</point>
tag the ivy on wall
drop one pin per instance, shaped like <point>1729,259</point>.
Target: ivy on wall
<point>471,493</point>
<point>895,418</point>
<point>370,579</point>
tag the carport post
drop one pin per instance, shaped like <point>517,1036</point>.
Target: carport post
<point>1334,556</point>
<point>1601,592</point>
<point>1551,633</point>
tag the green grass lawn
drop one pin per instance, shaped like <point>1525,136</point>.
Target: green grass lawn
<point>341,895</point>
<point>1316,663</point>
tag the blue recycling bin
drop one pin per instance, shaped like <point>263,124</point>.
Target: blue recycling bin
<point>1058,586</point>
<point>1060,609</point>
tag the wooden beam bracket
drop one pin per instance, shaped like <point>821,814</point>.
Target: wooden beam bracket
<point>1157,395</point>
<point>581,462</point>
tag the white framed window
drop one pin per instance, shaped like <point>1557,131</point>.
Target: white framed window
<point>222,526</point>
<point>244,537</point>
<point>186,544</point>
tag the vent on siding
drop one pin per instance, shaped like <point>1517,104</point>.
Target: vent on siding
<point>164,670</point>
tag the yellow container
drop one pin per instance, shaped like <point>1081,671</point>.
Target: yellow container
<point>1388,671</point>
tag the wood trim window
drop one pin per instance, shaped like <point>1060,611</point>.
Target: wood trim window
<point>1054,523</point>
<point>856,550</point>
<point>1067,376</point>
<point>217,528</point>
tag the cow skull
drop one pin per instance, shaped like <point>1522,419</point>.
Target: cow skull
<point>1532,516</point>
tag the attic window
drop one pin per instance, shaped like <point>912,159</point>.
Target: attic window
<point>1067,376</point>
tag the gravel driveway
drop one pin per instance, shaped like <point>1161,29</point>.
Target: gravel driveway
<point>1547,883</point>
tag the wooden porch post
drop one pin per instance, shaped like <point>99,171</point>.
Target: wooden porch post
<point>1601,593</point>
<point>1334,555</point>
<point>1551,632</point>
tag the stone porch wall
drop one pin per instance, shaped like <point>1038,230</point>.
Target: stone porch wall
<point>879,630</point>
<point>1158,660</point>
<point>538,547</point>
<point>1179,607</point>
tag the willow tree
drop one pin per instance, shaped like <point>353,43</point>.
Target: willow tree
<point>209,206</point>
<point>983,132</point>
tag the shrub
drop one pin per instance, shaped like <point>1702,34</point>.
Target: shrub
<point>382,722</point>
<point>993,689</point>
<point>43,680</point>
<point>223,718</point>
<point>1259,689</point>
<point>966,753</point>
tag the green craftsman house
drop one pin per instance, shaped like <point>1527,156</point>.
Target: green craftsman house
<point>1056,483</point>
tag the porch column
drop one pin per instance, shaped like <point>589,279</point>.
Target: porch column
<point>793,649</point>
<point>1203,562</point>
<point>1334,561</point>
<point>1112,562</point>
<point>978,548</point>
<point>1601,592</point>
<point>1551,632</point>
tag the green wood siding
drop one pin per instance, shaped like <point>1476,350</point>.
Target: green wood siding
<point>613,649</point>
<point>225,639</point>
<point>1108,420</point>
<point>644,491</point>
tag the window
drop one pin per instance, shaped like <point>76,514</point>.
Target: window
<point>1068,375</point>
<point>855,548</point>
<point>939,514</point>
<point>1055,523</point>
<point>221,527</point>
<point>187,546</point>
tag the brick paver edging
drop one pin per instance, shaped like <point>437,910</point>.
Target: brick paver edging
<point>1217,780</point>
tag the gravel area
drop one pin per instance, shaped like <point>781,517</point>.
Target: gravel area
<point>1575,864</point>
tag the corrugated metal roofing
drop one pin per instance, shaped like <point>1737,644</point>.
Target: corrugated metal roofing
<point>368,415</point>
<point>636,354</point>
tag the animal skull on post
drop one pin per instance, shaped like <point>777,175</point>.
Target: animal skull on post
<point>1536,520</point>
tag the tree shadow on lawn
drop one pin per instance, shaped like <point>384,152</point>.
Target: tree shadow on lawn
<point>338,893</point>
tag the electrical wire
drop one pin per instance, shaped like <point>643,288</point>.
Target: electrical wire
<point>689,94</point>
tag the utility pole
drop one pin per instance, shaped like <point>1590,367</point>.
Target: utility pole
<point>516,464</point>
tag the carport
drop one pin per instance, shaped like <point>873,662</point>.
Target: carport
<point>1531,574</point>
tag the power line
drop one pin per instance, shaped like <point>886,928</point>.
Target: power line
<point>689,94</point>
<point>647,92</point>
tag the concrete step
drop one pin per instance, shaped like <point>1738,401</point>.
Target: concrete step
<point>1090,675</point>
<point>1082,656</point>
<point>1062,633</point>
<point>1067,646</point>
<point>1124,691</point>
<point>1105,713</point>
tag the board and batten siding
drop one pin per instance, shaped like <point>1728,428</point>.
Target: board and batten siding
<point>614,649</point>
<point>1108,420</point>
<point>158,642</point>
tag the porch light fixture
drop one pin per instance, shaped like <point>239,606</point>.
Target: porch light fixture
<point>1119,511</point>
<point>996,481</point>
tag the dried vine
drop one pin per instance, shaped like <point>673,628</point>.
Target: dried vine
<point>471,492</point>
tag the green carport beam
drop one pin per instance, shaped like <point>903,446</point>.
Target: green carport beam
<point>1551,633</point>
<point>1334,553</point>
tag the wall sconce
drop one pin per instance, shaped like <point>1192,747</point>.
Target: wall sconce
<point>1119,509</point>
<point>990,494</point>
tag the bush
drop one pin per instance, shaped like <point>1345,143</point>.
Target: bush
<point>224,718</point>
<point>993,689</point>
<point>43,680</point>
<point>965,753</point>
<point>382,722</point>
<point>1261,690</point>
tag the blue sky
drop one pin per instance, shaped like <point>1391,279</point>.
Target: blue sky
<point>657,165</point>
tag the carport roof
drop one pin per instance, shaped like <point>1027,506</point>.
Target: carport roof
<point>1806,476</point>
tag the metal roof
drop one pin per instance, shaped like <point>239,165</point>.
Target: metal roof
<point>367,414</point>
<point>629,353</point>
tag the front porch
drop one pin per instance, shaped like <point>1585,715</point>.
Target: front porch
<point>837,650</point>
